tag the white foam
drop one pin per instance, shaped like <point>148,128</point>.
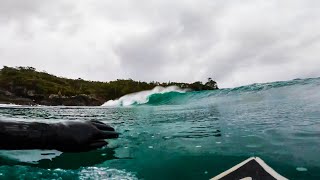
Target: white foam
<point>105,173</point>
<point>301,169</point>
<point>142,97</point>
<point>9,105</point>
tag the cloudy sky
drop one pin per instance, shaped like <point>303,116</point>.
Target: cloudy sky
<point>234,42</point>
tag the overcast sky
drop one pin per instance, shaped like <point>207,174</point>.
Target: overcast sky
<point>234,42</point>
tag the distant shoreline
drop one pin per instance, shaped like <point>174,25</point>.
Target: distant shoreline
<point>27,86</point>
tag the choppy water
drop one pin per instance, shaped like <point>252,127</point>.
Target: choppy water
<point>191,135</point>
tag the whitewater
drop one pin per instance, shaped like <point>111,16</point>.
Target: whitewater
<point>143,96</point>
<point>172,133</point>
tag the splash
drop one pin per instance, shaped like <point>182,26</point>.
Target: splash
<point>143,96</point>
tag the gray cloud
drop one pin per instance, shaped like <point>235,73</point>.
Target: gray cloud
<point>235,42</point>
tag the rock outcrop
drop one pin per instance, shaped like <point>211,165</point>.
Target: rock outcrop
<point>78,100</point>
<point>28,97</point>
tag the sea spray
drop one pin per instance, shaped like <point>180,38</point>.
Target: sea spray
<point>142,97</point>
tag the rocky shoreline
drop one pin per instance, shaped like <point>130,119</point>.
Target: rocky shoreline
<point>31,99</point>
<point>27,86</point>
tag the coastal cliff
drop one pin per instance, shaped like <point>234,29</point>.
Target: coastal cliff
<point>26,86</point>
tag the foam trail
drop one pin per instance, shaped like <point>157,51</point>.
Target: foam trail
<point>142,97</point>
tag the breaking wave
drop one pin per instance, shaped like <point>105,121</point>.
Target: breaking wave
<point>175,96</point>
<point>143,96</point>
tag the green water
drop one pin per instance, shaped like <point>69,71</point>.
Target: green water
<point>192,135</point>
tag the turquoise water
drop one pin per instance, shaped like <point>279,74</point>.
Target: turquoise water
<point>191,135</point>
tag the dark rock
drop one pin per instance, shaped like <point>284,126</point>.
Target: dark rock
<point>19,91</point>
<point>15,100</point>
<point>6,93</point>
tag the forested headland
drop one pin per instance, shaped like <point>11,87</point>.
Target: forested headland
<point>27,86</point>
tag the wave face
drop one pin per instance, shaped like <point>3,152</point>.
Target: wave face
<point>175,96</point>
<point>143,96</point>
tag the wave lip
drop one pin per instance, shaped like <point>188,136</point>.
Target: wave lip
<point>143,96</point>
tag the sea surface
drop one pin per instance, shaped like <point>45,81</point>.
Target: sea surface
<point>169,133</point>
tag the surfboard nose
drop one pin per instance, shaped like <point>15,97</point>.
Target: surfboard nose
<point>252,168</point>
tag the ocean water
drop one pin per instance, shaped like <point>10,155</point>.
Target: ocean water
<point>176,134</point>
